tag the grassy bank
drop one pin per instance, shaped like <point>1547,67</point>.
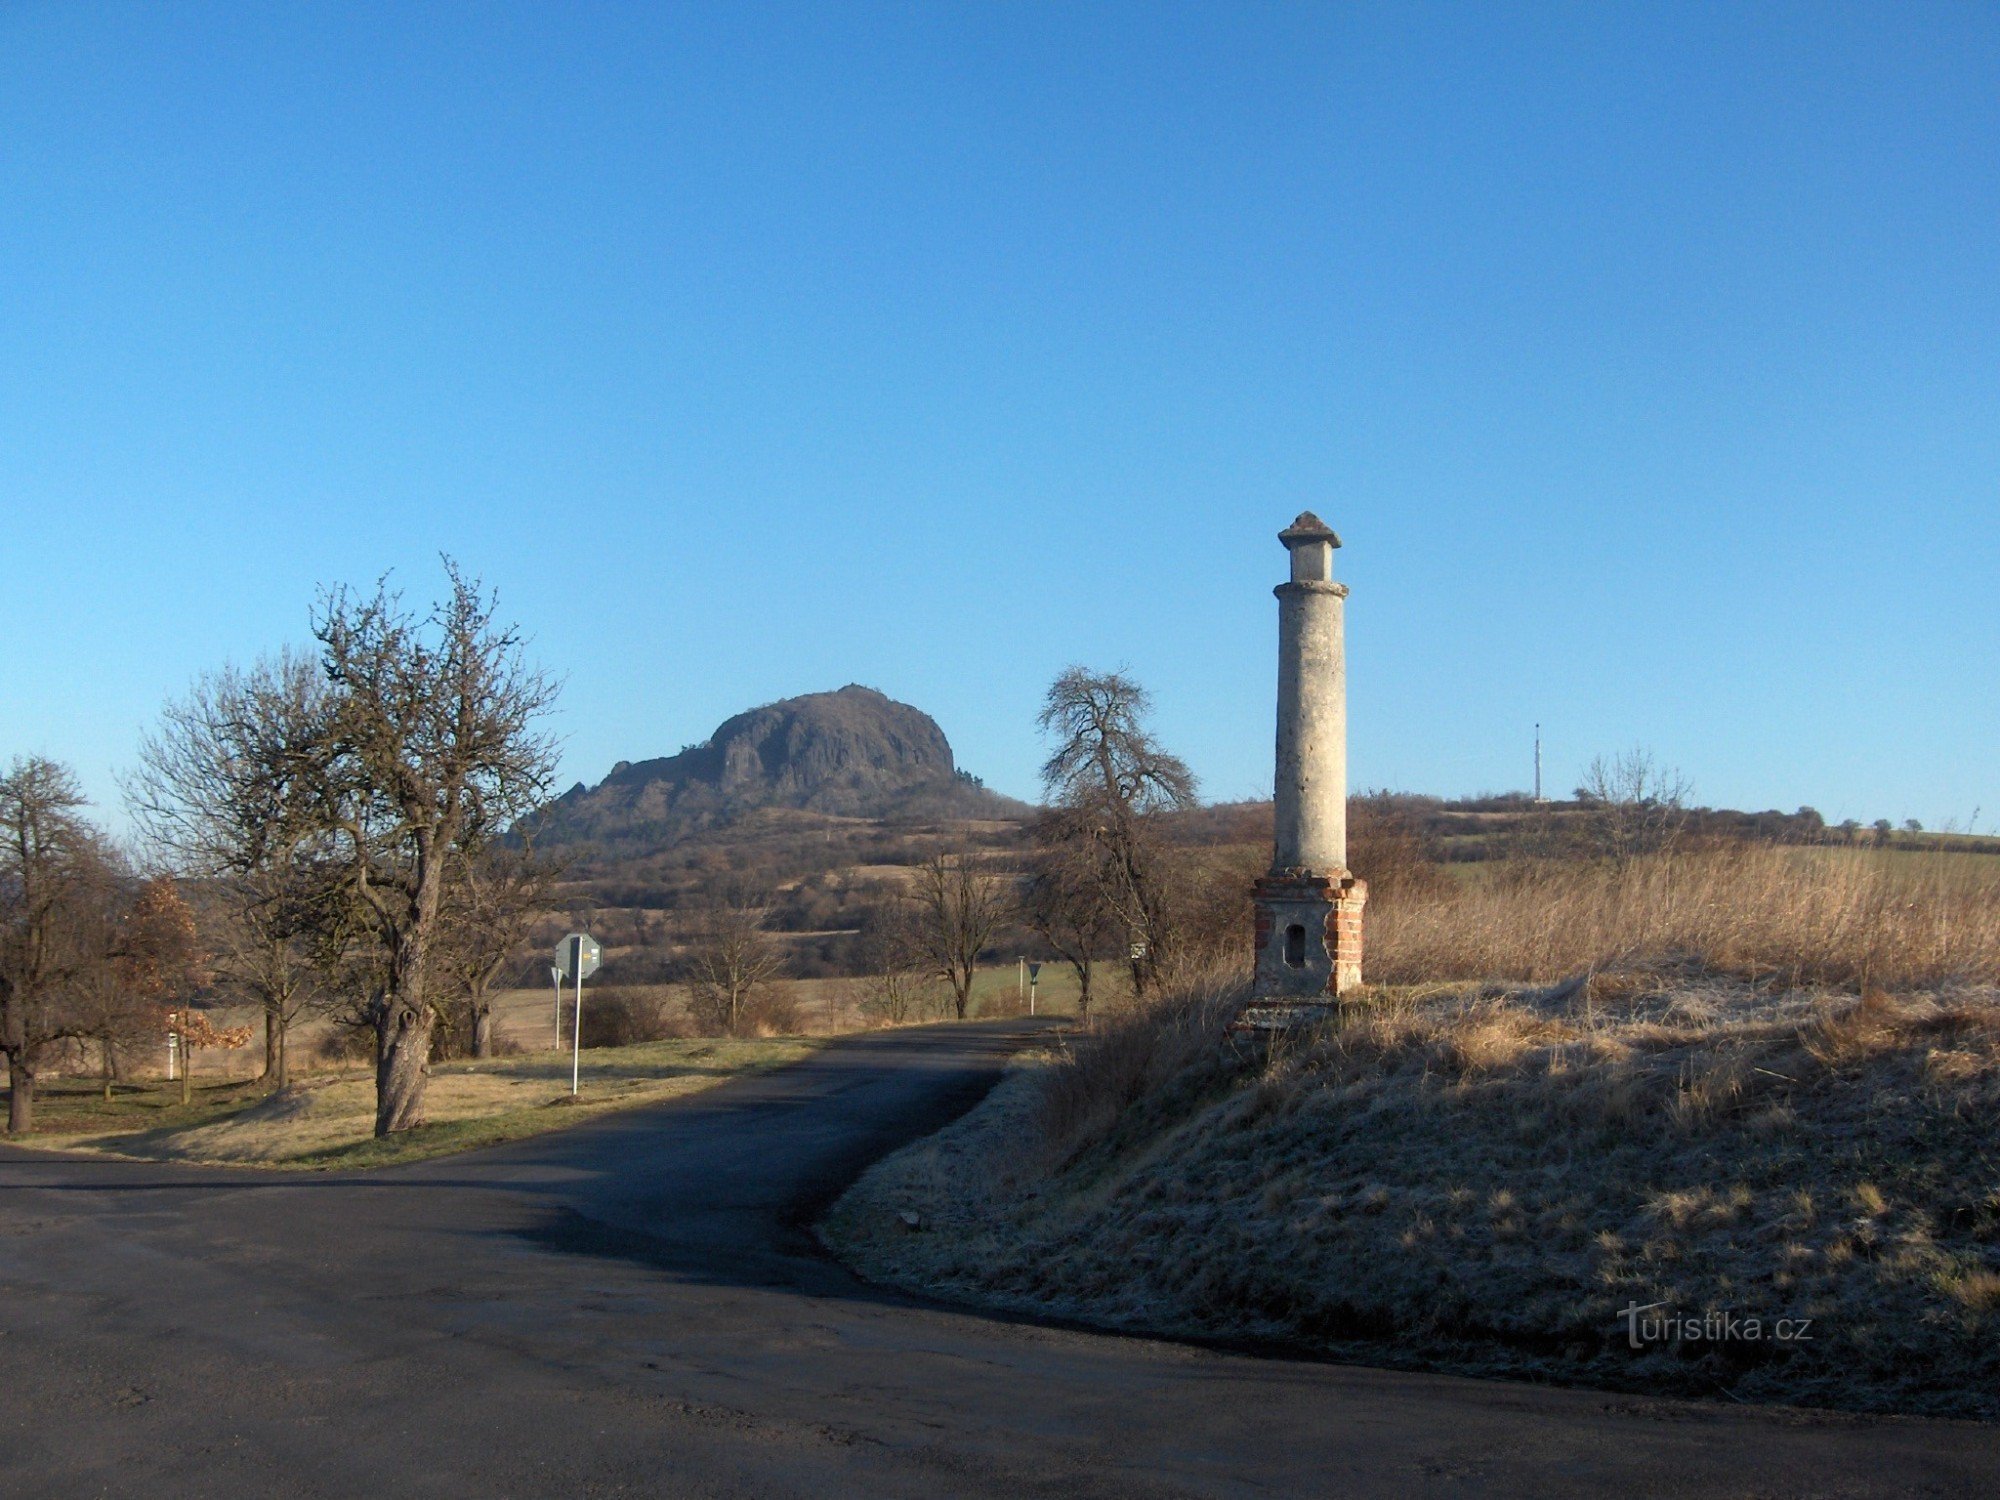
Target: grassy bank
<point>1848,918</point>
<point>1484,1177</point>
<point>327,1121</point>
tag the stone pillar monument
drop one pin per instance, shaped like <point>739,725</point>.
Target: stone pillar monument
<point>1309,905</point>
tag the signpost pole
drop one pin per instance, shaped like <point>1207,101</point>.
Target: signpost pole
<point>576,1025</point>
<point>577,957</point>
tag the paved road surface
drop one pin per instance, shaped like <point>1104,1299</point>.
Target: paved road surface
<point>633,1308</point>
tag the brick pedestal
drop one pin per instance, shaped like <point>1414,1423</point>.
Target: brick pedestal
<point>1308,950</point>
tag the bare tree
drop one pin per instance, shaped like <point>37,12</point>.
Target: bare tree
<point>898,972</point>
<point>153,958</point>
<point>958,908</point>
<point>1108,782</point>
<point>433,752</point>
<point>49,858</point>
<point>1066,903</point>
<point>232,791</point>
<point>490,908</point>
<point>728,955</point>
<point>1636,807</point>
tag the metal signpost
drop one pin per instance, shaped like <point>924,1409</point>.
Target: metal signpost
<point>576,958</point>
<point>1034,978</point>
<point>556,977</point>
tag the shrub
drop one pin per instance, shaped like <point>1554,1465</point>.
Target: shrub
<point>344,1044</point>
<point>771,1012</point>
<point>616,1016</point>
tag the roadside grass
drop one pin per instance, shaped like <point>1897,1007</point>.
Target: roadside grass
<point>1760,1084</point>
<point>1850,918</point>
<point>326,1121</point>
<point>1481,1178</point>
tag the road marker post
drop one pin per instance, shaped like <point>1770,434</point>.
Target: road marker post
<point>576,957</point>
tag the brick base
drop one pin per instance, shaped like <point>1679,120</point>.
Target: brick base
<point>1308,947</point>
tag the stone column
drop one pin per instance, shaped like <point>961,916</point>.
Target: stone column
<point>1311,785</point>
<point>1308,938</point>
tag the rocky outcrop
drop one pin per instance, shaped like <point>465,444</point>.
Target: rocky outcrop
<point>850,753</point>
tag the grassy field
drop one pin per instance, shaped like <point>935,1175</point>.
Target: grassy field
<point>326,1120</point>
<point>1718,1086</point>
<point>1485,1178</point>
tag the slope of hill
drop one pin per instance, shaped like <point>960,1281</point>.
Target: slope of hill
<point>854,753</point>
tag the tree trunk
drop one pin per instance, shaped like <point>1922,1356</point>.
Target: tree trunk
<point>1083,990</point>
<point>482,1028</point>
<point>284,1045</point>
<point>271,1043</point>
<point>110,1068</point>
<point>187,1072</point>
<point>20,1095</point>
<point>403,1047</point>
<point>961,993</point>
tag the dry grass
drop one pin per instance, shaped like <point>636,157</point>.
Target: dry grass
<point>1797,916</point>
<point>1480,1177</point>
<point>328,1121</point>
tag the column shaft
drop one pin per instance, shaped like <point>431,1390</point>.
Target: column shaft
<point>1311,784</point>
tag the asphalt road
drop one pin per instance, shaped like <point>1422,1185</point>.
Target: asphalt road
<point>634,1307</point>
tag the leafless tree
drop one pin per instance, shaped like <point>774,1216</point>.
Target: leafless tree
<point>1636,806</point>
<point>1107,783</point>
<point>1066,901</point>
<point>141,953</point>
<point>233,791</point>
<point>433,752</point>
<point>488,913</point>
<point>49,860</point>
<point>727,955</point>
<point>958,908</point>
<point>899,975</point>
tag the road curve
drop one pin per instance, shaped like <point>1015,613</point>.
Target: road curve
<point>634,1307</point>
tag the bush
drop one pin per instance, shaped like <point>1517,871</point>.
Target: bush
<point>343,1045</point>
<point>616,1016</point>
<point>771,1012</point>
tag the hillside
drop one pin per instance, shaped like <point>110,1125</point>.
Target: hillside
<point>853,753</point>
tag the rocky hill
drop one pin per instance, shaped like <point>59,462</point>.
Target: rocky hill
<point>853,753</point>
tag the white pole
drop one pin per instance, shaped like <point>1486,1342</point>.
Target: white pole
<point>1032,983</point>
<point>576,1024</point>
<point>555,977</point>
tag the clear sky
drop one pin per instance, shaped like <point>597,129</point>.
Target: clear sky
<point>1647,359</point>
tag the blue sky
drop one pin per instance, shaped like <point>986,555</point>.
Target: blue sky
<point>1646,358</point>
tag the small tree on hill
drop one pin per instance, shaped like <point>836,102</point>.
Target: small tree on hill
<point>1108,782</point>
<point>728,957</point>
<point>1066,902</point>
<point>899,975</point>
<point>958,908</point>
<point>1635,807</point>
<point>492,906</point>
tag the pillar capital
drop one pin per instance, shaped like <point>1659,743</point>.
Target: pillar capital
<point>1311,542</point>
